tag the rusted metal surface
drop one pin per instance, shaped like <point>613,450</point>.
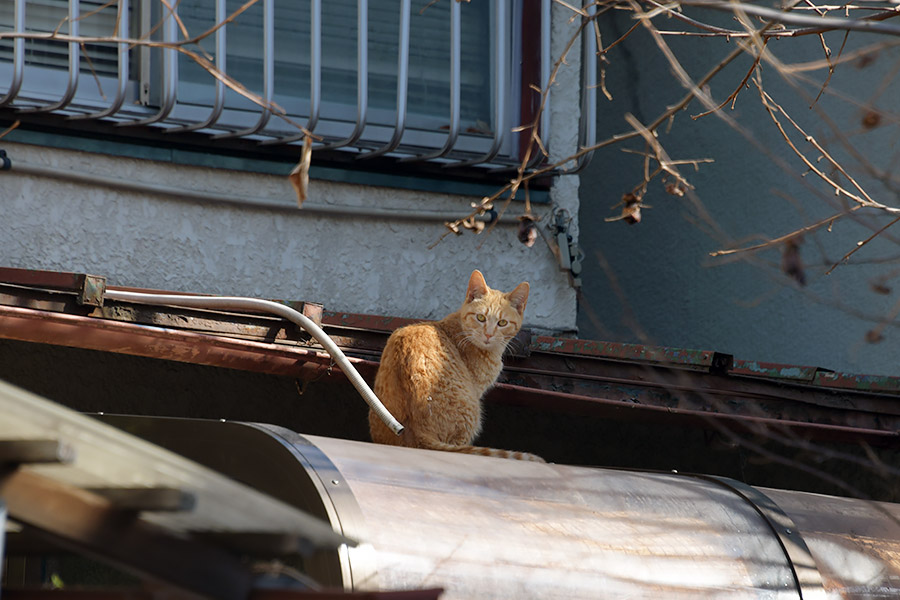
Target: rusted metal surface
<point>360,321</point>
<point>634,411</point>
<point>170,344</point>
<point>613,350</point>
<point>631,375</point>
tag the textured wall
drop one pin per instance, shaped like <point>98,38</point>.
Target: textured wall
<point>367,265</point>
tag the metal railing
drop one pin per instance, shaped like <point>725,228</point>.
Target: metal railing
<point>147,84</point>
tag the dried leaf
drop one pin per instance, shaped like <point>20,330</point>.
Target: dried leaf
<point>871,119</point>
<point>527,230</point>
<point>300,175</point>
<point>454,227</point>
<point>880,288</point>
<point>473,224</point>
<point>791,263</point>
<point>631,209</point>
<point>675,188</point>
<point>873,336</point>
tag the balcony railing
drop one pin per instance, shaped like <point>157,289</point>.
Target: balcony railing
<point>443,85</point>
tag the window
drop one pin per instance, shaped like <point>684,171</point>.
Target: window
<point>414,80</point>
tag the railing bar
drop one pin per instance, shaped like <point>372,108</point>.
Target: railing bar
<point>18,55</point>
<point>362,78</point>
<point>315,75</point>
<point>453,132</point>
<point>268,74</point>
<point>501,80</point>
<point>587,134</point>
<point>74,64</point>
<point>402,83</point>
<point>169,69</point>
<point>315,64</point>
<point>123,56</point>
<point>221,66</point>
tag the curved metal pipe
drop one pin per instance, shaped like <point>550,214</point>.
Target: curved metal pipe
<point>402,84</point>
<point>18,55</point>
<point>268,75</point>
<point>74,64</point>
<point>222,65</point>
<point>123,57</point>
<point>285,312</point>
<point>455,67</point>
<point>362,78</point>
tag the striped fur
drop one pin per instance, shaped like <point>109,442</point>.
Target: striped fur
<point>433,375</point>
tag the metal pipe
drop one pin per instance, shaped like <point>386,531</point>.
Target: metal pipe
<point>267,203</point>
<point>315,75</point>
<point>268,75</point>
<point>362,77</point>
<point>500,78</point>
<point>455,62</point>
<point>481,527</point>
<point>74,19</point>
<point>285,312</point>
<point>402,84</point>
<point>122,19</point>
<point>169,76</point>
<point>587,135</point>
<point>221,66</point>
<point>18,55</point>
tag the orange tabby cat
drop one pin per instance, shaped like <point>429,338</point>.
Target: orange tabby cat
<point>433,375</point>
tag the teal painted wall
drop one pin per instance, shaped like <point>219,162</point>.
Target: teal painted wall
<point>655,282</point>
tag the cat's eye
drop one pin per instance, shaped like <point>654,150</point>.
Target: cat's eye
<point>481,318</point>
<point>502,323</point>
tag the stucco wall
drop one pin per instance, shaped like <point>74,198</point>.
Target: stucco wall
<point>655,282</point>
<point>366,265</point>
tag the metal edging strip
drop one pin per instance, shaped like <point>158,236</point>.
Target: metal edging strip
<point>802,564</point>
<point>358,567</point>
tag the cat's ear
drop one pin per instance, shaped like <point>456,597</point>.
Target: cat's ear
<point>519,297</point>
<point>477,286</point>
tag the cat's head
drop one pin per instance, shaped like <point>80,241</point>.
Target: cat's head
<point>491,318</point>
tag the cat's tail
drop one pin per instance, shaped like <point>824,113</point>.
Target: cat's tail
<point>481,451</point>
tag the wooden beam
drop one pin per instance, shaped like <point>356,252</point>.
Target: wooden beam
<point>15,452</point>
<point>151,499</point>
<point>88,523</point>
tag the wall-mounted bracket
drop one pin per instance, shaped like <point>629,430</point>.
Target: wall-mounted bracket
<point>564,246</point>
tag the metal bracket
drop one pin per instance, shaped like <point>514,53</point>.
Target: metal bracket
<point>93,287</point>
<point>567,250</point>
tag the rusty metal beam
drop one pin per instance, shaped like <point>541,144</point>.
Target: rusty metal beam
<point>88,523</point>
<point>158,342</point>
<point>590,405</point>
